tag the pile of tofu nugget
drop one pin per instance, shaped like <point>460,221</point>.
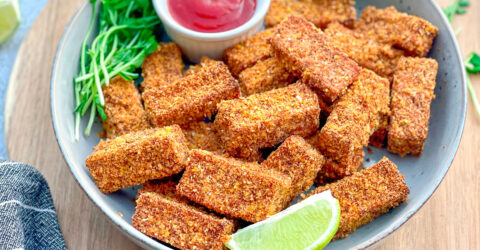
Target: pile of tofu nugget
<point>235,141</point>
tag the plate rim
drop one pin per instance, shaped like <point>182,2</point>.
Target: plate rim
<point>145,241</point>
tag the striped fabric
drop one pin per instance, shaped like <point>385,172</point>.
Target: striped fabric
<point>27,215</point>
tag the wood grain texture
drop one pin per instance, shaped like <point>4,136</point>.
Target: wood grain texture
<point>449,220</point>
<point>30,136</point>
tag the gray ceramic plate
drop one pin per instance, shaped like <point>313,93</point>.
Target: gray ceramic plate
<point>423,174</point>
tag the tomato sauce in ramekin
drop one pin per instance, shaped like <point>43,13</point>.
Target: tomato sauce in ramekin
<point>211,16</point>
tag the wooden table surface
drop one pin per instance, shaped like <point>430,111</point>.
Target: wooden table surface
<point>449,220</point>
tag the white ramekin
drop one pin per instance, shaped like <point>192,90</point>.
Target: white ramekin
<point>197,44</point>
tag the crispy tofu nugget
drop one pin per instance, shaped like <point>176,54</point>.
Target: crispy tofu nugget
<point>319,12</point>
<point>411,33</point>
<point>379,137</point>
<point>412,94</point>
<point>167,188</point>
<point>331,168</point>
<point>264,76</point>
<point>135,158</point>
<point>264,120</point>
<point>123,107</point>
<point>298,160</point>
<point>163,66</point>
<point>196,68</point>
<point>247,53</point>
<point>234,188</point>
<point>353,120</point>
<point>307,53</point>
<point>191,98</point>
<point>368,53</point>
<point>202,135</point>
<point>180,224</point>
<point>366,195</point>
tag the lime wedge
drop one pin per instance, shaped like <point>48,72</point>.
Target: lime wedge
<point>9,18</point>
<point>310,224</point>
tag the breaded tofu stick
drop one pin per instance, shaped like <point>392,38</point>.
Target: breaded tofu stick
<point>368,53</point>
<point>234,188</point>
<point>330,170</point>
<point>247,53</point>
<point>298,160</point>
<point>366,195</point>
<point>163,66</point>
<point>123,107</point>
<point>264,76</point>
<point>325,108</point>
<point>411,33</point>
<point>167,188</point>
<point>353,120</point>
<point>308,54</point>
<point>379,137</point>
<point>204,61</point>
<point>202,135</point>
<point>319,12</point>
<point>191,98</point>
<point>412,94</point>
<point>180,225</point>
<point>135,158</point>
<point>264,120</point>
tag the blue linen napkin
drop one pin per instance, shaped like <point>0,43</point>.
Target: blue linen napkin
<point>27,215</point>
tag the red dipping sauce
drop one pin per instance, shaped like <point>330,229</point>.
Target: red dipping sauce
<point>210,16</point>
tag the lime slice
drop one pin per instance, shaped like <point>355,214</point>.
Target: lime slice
<point>9,18</point>
<point>310,224</point>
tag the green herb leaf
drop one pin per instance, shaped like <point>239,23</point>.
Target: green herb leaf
<point>456,7</point>
<point>472,65</point>
<point>125,38</point>
<point>460,11</point>
<point>464,3</point>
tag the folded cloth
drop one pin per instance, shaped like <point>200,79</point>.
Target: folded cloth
<point>27,216</point>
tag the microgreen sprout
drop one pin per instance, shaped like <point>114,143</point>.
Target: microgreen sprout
<point>472,65</point>
<point>125,37</point>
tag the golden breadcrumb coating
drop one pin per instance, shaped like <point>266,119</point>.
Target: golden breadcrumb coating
<point>307,53</point>
<point>368,53</point>
<point>123,107</point>
<point>163,66</point>
<point>411,33</point>
<point>353,120</point>
<point>379,137</point>
<point>265,75</point>
<point>234,188</point>
<point>180,225</point>
<point>264,120</point>
<point>332,170</point>
<point>167,188</point>
<point>412,94</point>
<point>325,108</point>
<point>191,98</point>
<point>247,53</point>
<point>202,135</point>
<point>132,159</point>
<point>319,12</point>
<point>366,195</point>
<point>298,160</point>
<point>197,67</point>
